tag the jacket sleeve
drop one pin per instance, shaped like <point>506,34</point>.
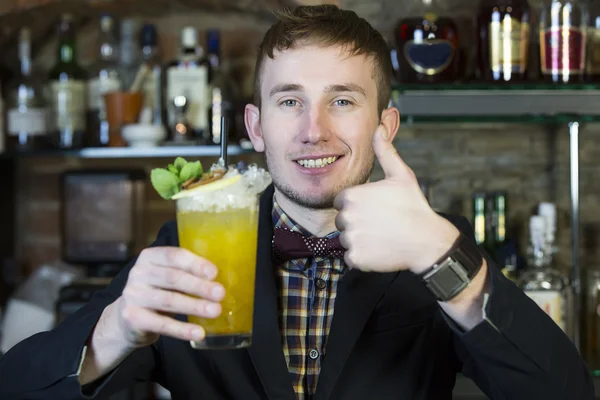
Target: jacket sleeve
<point>518,352</point>
<point>45,365</point>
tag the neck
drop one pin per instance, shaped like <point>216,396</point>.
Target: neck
<point>319,222</point>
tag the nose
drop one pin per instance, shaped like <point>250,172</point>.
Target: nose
<point>317,127</point>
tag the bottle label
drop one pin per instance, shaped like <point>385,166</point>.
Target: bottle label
<point>429,56</point>
<point>562,50</point>
<point>33,121</point>
<point>509,42</point>
<point>97,87</point>
<point>68,105</point>
<point>593,56</point>
<point>193,84</point>
<point>552,302</point>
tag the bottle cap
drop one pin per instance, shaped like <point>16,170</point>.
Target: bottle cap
<point>189,37</point>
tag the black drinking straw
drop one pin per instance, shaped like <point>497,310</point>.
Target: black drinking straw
<point>223,159</point>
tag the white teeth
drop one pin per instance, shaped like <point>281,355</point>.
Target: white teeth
<point>319,163</point>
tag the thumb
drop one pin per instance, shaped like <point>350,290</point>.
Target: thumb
<point>388,157</point>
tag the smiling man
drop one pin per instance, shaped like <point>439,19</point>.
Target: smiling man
<point>387,299</point>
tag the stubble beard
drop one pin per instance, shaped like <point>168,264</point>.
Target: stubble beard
<point>323,200</point>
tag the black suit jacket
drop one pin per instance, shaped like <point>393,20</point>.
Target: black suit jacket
<point>389,339</point>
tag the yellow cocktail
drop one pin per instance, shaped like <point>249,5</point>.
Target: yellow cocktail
<point>221,225</point>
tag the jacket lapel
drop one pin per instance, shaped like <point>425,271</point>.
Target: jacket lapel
<point>266,351</point>
<point>358,294</point>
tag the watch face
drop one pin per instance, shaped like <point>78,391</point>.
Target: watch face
<point>448,280</point>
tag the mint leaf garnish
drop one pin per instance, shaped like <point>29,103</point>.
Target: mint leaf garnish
<point>165,182</point>
<point>190,170</point>
<point>179,163</point>
<point>173,169</point>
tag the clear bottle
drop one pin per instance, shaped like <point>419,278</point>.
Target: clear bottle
<point>222,90</point>
<point>544,284</point>
<point>27,114</point>
<point>152,87</point>
<point>187,77</point>
<point>67,84</point>
<point>504,39</point>
<point>104,78</point>
<point>563,38</point>
<point>129,55</point>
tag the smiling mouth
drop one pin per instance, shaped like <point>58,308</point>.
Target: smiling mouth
<point>318,162</point>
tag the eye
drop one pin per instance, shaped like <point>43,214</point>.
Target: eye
<point>289,103</point>
<point>343,103</point>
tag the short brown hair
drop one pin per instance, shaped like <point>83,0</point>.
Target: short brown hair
<point>327,25</point>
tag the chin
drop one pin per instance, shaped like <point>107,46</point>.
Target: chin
<point>309,196</point>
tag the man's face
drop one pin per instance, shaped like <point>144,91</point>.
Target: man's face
<point>316,125</point>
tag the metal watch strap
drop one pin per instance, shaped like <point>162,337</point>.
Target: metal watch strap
<point>453,272</point>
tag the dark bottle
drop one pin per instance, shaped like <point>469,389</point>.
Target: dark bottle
<point>592,67</point>
<point>504,40</point>
<point>153,83</point>
<point>563,36</point>
<point>428,46</point>
<point>67,90</point>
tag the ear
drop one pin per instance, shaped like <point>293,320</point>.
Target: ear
<point>390,119</point>
<point>252,121</point>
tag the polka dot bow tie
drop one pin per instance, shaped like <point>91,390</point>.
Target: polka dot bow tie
<point>288,245</point>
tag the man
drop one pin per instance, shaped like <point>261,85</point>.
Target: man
<point>401,328</point>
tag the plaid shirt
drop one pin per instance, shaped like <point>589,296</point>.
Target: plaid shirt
<point>307,289</point>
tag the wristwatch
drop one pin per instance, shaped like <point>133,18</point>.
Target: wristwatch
<point>453,272</point>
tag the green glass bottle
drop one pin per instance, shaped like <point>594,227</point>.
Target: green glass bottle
<point>67,90</point>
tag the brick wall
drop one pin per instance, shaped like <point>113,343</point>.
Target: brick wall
<point>527,160</point>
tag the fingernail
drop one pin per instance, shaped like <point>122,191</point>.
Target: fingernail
<point>197,333</point>
<point>218,292</point>
<point>213,309</point>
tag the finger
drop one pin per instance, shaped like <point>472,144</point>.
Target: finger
<point>171,302</point>
<point>144,320</point>
<point>177,257</point>
<point>344,240</point>
<point>181,281</point>
<point>387,155</point>
<point>340,221</point>
<point>340,200</point>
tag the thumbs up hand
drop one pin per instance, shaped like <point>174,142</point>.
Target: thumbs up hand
<point>388,225</point>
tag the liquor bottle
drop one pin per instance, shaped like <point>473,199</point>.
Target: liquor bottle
<point>428,46</point>
<point>592,68</point>
<point>222,90</point>
<point>153,83</point>
<point>129,58</point>
<point>67,90</point>
<point>563,36</point>
<point>479,223</point>
<point>504,40</point>
<point>592,319</point>
<point>544,284</point>
<point>188,77</point>
<point>104,78</point>
<point>27,114</point>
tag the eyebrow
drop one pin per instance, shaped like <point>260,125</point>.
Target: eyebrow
<point>291,87</point>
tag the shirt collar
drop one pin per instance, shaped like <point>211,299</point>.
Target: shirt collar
<point>282,220</point>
